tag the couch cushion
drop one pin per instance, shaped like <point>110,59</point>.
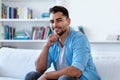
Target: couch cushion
<point>17,62</point>
<point>108,66</point>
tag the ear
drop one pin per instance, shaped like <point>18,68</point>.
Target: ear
<point>69,21</point>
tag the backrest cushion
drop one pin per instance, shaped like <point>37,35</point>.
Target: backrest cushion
<point>17,62</point>
<point>108,66</point>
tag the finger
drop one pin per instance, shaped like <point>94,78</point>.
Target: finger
<point>54,37</point>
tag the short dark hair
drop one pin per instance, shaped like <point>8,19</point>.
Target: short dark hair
<point>62,9</point>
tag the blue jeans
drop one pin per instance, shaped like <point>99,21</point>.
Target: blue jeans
<point>35,75</point>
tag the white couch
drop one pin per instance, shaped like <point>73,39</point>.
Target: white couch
<point>15,63</point>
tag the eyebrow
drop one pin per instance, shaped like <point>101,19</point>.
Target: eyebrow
<point>56,19</point>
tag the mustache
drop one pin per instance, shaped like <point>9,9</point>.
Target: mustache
<point>56,28</point>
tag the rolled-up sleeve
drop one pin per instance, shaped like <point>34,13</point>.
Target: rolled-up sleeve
<point>81,51</point>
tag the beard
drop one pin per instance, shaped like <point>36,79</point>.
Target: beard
<point>60,34</point>
<point>62,31</point>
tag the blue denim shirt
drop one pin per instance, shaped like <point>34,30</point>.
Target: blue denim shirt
<point>78,54</point>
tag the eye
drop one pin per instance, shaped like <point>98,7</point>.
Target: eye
<point>51,21</point>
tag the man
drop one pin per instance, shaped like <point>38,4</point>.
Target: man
<point>67,49</point>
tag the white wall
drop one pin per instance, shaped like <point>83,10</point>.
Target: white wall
<point>100,18</point>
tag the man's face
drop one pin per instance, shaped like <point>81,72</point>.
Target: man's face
<point>59,23</point>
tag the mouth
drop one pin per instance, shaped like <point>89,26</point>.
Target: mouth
<point>56,30</point>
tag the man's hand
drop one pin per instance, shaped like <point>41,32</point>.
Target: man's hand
<point>42,77</point>
<point>51,39</point>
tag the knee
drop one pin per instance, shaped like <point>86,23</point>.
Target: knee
<point>64,77</point>
<point>32,75</point>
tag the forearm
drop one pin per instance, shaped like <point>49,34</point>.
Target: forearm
<point>70,71</point>
<point>41,62</point>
